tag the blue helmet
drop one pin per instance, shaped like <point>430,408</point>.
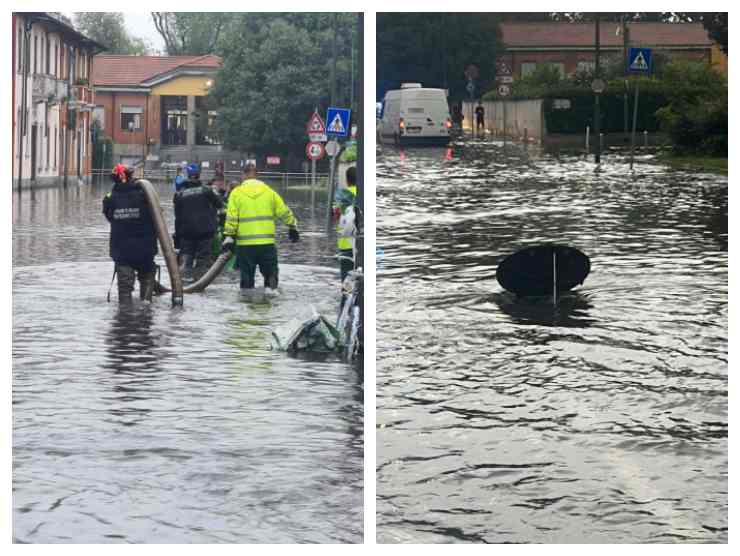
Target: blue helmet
<point>193,170</point>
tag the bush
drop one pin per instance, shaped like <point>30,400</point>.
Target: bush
<point>695,115</point>
<point>688,101</point>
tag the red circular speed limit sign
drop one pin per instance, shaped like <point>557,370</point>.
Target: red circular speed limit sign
<point>315,151</point>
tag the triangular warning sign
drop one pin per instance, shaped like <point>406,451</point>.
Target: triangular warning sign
<point>315,124</point>
<point>639,63</point>
<point>337,126</point>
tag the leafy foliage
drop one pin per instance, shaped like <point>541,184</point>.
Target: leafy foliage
<point>435,48</point>
<point>276,71</point>
<point>696,113</point>
<point>108,29</point>
<point>191,33</point>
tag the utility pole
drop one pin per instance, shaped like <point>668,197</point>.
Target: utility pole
<point>333,90</point>
<point>597,107</point>
<point>352,75</point>
<point>360,223</point>
<point>625,42</point>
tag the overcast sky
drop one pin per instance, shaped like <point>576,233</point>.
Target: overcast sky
<point>139,24</point>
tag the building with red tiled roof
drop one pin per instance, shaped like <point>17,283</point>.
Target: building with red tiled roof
<point>52,100</point>
<point>155,107</point>
<point>571,46</point>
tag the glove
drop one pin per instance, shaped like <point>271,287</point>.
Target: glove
<point>176,241</point>
<point>293,234</point>
<point>228,245</point>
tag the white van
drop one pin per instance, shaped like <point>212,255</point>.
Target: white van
<point>413,115</point>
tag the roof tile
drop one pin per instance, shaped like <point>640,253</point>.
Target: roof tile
<point>131,71</point>
<point>563,34</point>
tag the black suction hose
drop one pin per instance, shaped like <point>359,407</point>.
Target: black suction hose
<point>205,280</point>
<point>168,251</point>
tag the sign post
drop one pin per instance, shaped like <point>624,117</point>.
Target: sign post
<point>316,131</point>
<point>472,73</point>
<point>504,79</point>
<point>314,151</point>
<point>339,126</point>
<point>639,62</point>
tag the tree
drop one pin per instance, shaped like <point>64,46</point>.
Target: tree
<point>108,29</point>
<point>275,71</point>
<point>193,33</point>
<point>696,113</point>
<point>435,48</point>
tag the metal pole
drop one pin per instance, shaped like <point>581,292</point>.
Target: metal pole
<point>625,41</point>
<point>329,202</point>
<point>352,76</point>
<point>597,107</point>
<point>504,103</point>
<point>360,199</point>
<point>588,139</point>
<point>333,90</point>
<point>554,278</point>
<point>634,124</point>
<point>313,183</point>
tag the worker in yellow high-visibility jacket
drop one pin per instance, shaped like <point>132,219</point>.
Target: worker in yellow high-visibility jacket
<point>251,213</point>
<point>344,218</point>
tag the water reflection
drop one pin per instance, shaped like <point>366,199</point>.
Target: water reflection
<point>133,362</point>
<point>600,419</point>
<point>146,424</point>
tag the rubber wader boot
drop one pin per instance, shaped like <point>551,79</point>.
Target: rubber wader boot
<point>146,285</point>
<point>126,278</point>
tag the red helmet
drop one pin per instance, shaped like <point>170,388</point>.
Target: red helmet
<point>121,173</point>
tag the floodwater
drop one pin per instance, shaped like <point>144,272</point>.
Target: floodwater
<point>603,420</point>
<point>157,425</point>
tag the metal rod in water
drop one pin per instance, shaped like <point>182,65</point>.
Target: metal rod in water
<point>634,124</point>
<point>554,279</point>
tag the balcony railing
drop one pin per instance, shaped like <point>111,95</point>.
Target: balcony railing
<point>46,87</point>
<point>83,94</point>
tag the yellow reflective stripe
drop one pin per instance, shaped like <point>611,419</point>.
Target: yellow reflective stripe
<point>255,236</point>
<point>256,219</point>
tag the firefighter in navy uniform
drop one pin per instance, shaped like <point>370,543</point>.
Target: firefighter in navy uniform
<point>196,223</point>
<point>133,238</point>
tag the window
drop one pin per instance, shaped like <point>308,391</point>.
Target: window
<point>528,68</point>
<point>54,162</point>
<point>48,56</point>
<point>98,115</point>
<point>131,118</point>
<point>35,53</point>
<point>56,60</point>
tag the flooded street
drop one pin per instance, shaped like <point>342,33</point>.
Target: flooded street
<point>157,425</point>
<point>603,420</point>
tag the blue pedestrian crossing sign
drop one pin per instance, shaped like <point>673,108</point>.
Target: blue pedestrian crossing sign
<point>337,122</point>
<point>640,60</point>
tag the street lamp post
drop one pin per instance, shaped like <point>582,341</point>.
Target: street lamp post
<point>597,95</point>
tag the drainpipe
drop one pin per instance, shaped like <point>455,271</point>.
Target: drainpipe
<point>72,97</point>
<point>28,25</point>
